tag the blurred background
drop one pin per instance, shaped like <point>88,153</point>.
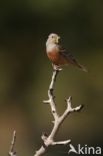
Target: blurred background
<point>25,72</point>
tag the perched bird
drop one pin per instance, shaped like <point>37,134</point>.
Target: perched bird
<point>58,55</point>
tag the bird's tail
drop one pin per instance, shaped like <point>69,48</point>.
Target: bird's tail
<point>82,67</point>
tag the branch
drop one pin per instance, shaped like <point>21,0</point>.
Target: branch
<point>12,152</point>
<point>51,96</point>
<point>49,140</point>
<point>58,120</point>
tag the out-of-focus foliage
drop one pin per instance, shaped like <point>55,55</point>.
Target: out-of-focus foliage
<point>25,71</point>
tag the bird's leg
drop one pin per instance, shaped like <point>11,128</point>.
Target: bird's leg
<point>56,67</point>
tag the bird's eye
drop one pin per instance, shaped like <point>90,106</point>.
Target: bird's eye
<point>52,36</point>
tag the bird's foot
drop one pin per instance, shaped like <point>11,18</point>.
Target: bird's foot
<point>56,67</point>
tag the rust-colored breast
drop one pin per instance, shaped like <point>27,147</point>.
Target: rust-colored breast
<point>55,56</point>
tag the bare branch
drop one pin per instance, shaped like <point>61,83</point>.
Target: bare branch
<point>65,142</point>
<point>48,140</point>
<point>12,152</point>
<point>70,109</point>
<point>58,120</point>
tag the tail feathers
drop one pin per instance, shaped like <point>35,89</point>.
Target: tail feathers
<point>82,68</point>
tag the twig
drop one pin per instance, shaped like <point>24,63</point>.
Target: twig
<point>58,120</point>
<point>12,152</point>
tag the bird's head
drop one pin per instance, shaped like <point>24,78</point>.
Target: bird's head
<point>53,38</point>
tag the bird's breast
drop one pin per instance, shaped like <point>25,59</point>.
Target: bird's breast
<point>55,56</point>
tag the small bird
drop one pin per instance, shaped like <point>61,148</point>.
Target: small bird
<point>58,55</point>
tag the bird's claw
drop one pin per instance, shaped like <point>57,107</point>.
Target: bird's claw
<point>55,67</point>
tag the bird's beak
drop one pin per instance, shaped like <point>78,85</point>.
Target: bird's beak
<point>57,39</point>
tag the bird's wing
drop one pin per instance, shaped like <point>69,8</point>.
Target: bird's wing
<point>71,59</point>
<point>68,56</point>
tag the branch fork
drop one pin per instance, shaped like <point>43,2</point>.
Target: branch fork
<point>58,120</point>
<point>49,140</point>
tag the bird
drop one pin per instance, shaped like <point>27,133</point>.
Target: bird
<point>59,56</point>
